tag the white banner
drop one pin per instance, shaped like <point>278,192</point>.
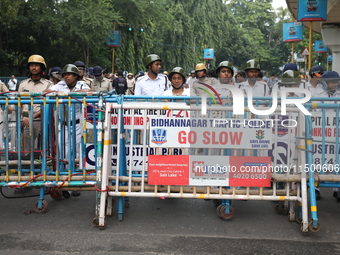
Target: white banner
<point>211,133</point>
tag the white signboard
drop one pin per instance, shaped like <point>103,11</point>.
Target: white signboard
<point>211,133</point>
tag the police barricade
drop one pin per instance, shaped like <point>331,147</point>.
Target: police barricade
<point>322,132</point>
<point>42,154</point>
<point>208,155</point>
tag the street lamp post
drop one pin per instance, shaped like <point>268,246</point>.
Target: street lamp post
<point>194,49</point>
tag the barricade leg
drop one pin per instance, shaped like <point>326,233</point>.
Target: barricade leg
<point>292,212</point>
<point>103,167</point>
<point>122,164</point>
<point>41,205</point>
<point>225,210</point>
<point>314,225</point>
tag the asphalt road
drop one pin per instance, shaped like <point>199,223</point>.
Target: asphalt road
<point>156,226</point>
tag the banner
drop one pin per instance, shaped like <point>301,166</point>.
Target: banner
<point>291,32</point>
<point>325,126</point>
<point>208,54</point>
<point>201,170</point>
<point>211,133</point>
<point>137,151</point>
<point>320,47</point>
<point>114,40</point>
<point>312,10</point>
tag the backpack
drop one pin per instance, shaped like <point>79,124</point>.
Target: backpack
<point>121,88</point>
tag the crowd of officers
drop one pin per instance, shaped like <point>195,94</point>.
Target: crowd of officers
<point>76,77</point>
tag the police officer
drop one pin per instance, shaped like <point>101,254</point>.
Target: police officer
<point>71,83</point>
<point>290,79</point>
<point>225,73</point>
<point>202,84</point>
<point>90,72</point>
<point>191,79</point>
<point>130,83</point>
<point>82,72</point>
<point>153,83</point>
<point>259,88</point>
<point>100,83</point>
<point>314,84</point>
<point>35,83</point>
<point>330,88</point>
<point>55,75</point>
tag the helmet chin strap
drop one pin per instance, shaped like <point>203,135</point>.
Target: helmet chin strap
<point>177,88</point>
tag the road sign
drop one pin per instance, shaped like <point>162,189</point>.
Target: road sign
<point>305,52</point>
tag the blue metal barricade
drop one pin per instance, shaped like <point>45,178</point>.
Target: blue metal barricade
<point>129,173</point>
<point>322,148</point>
<point>47,154</point>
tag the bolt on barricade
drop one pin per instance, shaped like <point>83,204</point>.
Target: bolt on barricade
<point>168,148</point>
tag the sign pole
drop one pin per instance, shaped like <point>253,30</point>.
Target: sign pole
<point>292,52</point>
<point>310,44</point>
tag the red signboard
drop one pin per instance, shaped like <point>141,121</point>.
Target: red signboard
<point>250,171</point>
<point>168,170</point>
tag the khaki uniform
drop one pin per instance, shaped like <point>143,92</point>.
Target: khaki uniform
<point>88,81</point>
<point>103,85</point>
<point>3,88</point>
<point>199,87</point>
<point>29,85</point>
<point>131,85</point>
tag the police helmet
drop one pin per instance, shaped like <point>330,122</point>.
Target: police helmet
<point>316,70</point>
<point>330,76</point>
<point>79,64</point>
<point>97,70</point>
<point>252,64</point>
<point>36,59</point>
<point>69,68</point>
<point>226,64</point>
<point>56,73</point>
<point>200,67</point>
<point>178,70</point>
<point>90,70</point>
<point>150,59</point>
<point>290,77</point>
<point>290,66</point>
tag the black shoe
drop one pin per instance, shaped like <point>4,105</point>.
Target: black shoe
<point>317,195</point>
<point>75,193</point>
<point>335,194</point>
<point>66,194</point>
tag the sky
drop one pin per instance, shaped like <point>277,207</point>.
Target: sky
<point>279,3</point>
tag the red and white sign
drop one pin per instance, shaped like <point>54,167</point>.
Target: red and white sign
<point>250,171</point>
<point>205,133</point>
<point>209,170</point>
<point>168,170</point>
<point>305,52</point>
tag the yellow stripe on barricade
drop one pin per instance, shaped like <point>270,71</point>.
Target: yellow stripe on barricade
<point>314,105</point>
<point>123,194</point>
<point>300,204</point>
<point>282,197</point>
<point>201,196</point>
<point>313,209</point>
<point>165,107</point>
<point>107,142</point>
<point>303,147</point>
<point>309,142</point>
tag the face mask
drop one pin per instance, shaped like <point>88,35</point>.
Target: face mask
<point>98,78</point>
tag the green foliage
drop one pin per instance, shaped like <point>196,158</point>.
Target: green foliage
<point>177,30</point>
